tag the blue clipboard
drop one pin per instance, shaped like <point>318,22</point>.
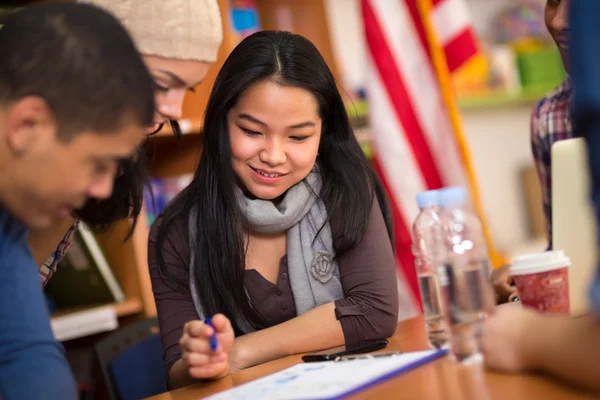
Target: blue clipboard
<point>329,380</point>
<point>434,355</point>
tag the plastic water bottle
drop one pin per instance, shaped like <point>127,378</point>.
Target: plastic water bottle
<point>466,270</point>
<point>427,246</point>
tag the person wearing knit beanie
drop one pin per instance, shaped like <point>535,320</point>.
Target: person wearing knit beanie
<point>179,40</point>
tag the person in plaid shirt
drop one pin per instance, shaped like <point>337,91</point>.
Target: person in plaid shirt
<point>550,122</point>
<point>520,340</point>
<point>178,60</point>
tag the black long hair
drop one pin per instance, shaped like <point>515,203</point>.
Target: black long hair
<point>125,200</point>
<point>127,196</point>
<point>349,184</point>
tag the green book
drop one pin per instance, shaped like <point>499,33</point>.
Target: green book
<point>5,12</point>
<point>83,277</point>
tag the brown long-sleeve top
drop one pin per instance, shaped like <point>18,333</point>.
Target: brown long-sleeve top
<point>369,309</point>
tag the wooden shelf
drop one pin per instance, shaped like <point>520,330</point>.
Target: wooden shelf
<point>498,98</point>
<point>81,322</point>
<point>122,309</point>
<point>128,307</point>
<point>170,157</point>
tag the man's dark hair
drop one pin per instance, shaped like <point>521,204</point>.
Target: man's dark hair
<point>81,61</point>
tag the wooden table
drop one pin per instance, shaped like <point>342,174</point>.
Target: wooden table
<point>439,379</point>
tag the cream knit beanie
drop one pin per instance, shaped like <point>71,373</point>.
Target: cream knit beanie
<point>180,29</point>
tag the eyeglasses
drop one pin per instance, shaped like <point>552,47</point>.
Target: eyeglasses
<point>174,126</point>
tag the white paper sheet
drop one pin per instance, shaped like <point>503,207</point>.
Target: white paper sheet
<point>326,380</point>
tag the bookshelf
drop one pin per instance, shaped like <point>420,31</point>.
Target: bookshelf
<point>121,309</point>
<point>499,98</point>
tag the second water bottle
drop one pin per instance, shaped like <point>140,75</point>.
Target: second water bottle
<point>466,270</point>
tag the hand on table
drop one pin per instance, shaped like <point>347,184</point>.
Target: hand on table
<point>200,361</point>
<point>506,338</point>
<point>501,281</point>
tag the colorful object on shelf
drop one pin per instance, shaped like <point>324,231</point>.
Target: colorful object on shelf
<point>358,113</point>
<point>516,22</point>
<point>522,58</point>
<point>244,17</point>
<point>541,67</point>
<point>503,73</point>
<point>161,192</point>
<point>473,75</point>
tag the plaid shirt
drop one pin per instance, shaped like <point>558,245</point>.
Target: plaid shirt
<point>51,263</point>
<point>550,122</point>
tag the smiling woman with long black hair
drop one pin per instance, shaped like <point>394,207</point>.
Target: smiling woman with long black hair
<point>283,237</point>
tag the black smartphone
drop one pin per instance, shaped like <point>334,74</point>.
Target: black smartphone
<point>347,349</point>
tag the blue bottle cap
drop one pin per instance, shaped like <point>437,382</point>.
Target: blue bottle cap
<point>428,198</point>
<point>453,196</point>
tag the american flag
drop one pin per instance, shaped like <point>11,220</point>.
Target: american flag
<point>414,131</point>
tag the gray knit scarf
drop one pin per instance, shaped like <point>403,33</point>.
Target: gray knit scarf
<point>314,275</point>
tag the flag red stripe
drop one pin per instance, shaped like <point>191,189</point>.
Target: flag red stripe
<point>402,238</point>
<point>460,49</point>
<point>413,9</point>
<point>400,100</point>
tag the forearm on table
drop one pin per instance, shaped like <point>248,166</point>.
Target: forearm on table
<point>179,376</point>
<point>314,330</point>
<point>568,348</point>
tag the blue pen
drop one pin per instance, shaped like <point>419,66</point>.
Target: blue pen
<point>213,339</point>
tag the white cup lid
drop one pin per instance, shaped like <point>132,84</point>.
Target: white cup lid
<point>539,262</point>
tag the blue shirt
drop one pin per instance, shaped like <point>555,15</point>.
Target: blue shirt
<point>585,71</point>
<point>32,362</point>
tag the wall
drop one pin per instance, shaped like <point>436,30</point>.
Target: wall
<point>498,136</point>
<point>499,140</point>
<point>348,41</point>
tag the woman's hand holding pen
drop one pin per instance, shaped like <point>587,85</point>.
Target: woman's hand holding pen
<point>205,347</point>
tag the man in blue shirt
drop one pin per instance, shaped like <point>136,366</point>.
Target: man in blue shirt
<point>586,62</point>
<point>75,98</point>
<point>518,340</point>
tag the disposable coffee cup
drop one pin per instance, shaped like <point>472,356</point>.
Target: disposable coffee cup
<point>542,280</point>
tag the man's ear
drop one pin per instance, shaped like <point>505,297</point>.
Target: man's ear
<point>29,120</point>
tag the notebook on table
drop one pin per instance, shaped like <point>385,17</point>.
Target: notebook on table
<point>327,379</point>
<point>573,218</point>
